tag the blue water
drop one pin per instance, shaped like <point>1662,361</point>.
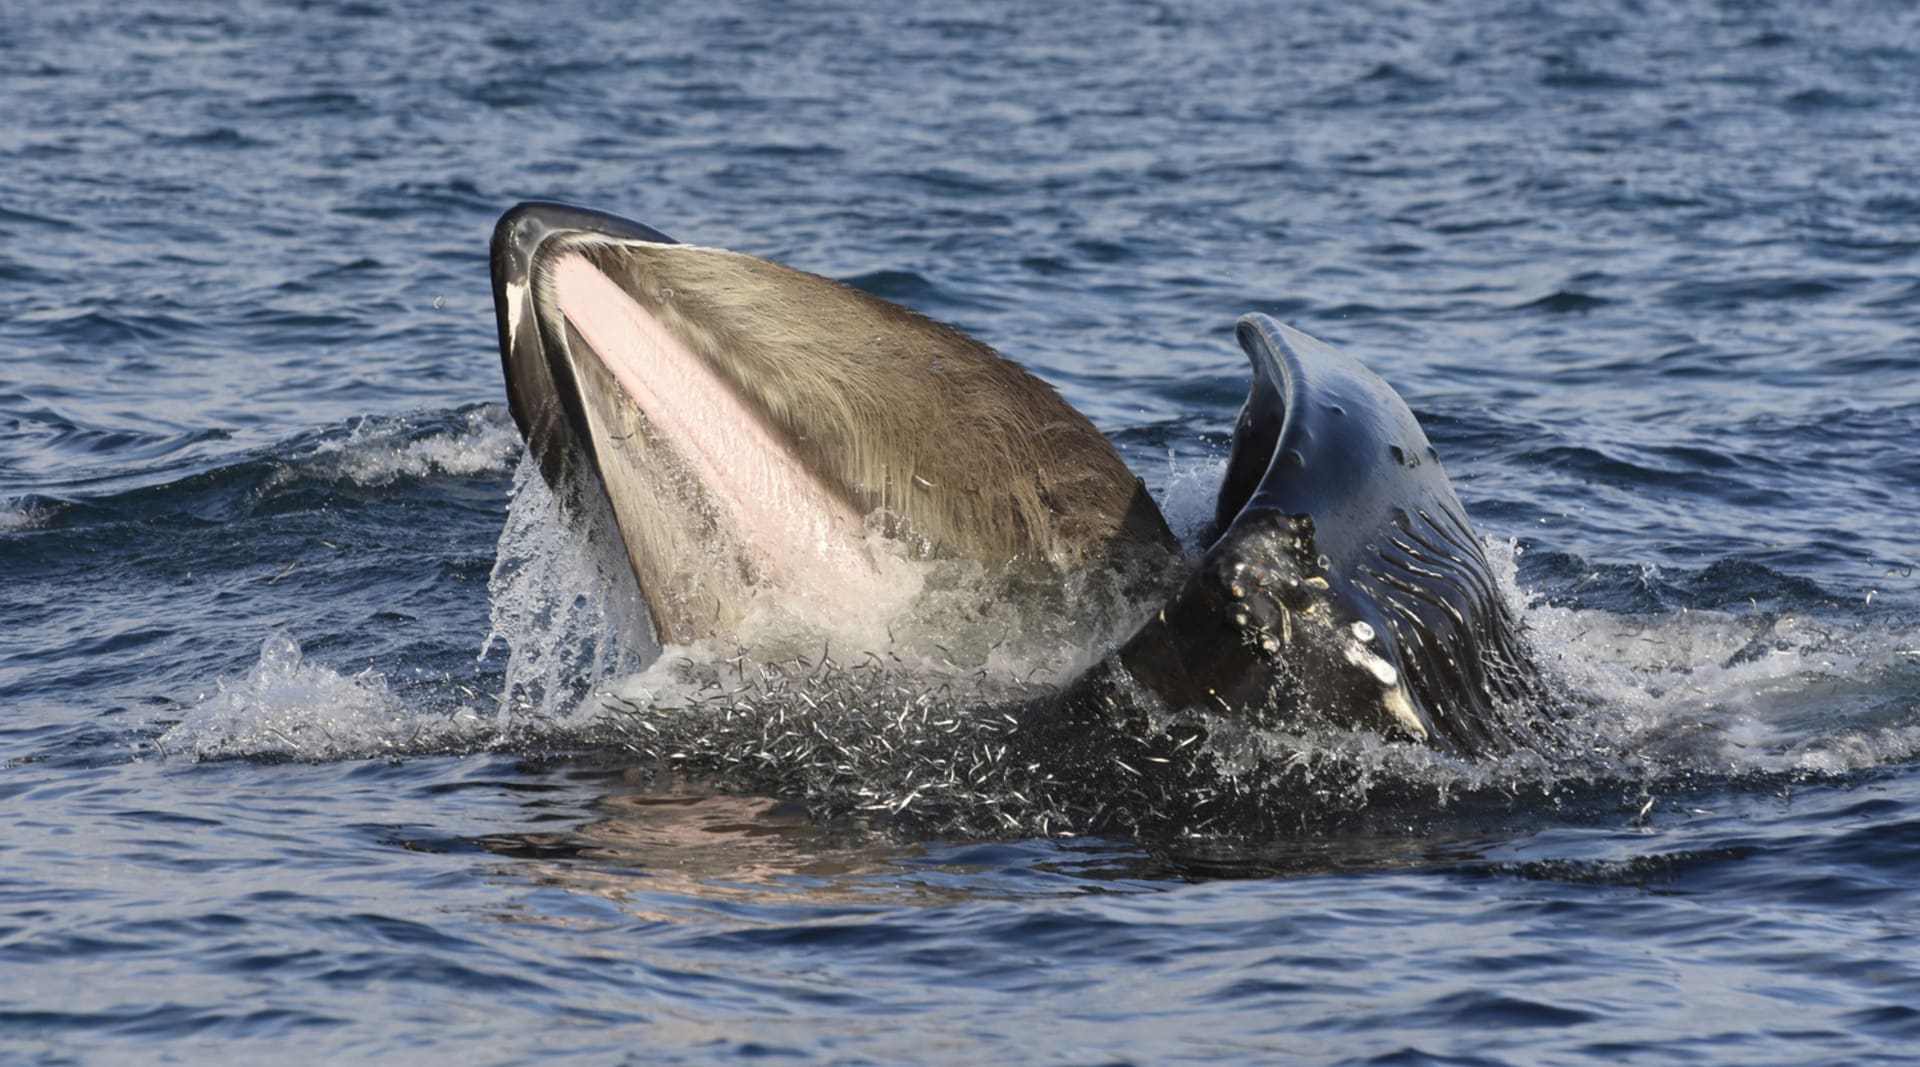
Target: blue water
<point>1649,272</point>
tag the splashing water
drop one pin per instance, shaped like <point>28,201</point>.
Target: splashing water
<point>925,735</point>
<point>1661,704</point>
<point>1757,695</point>
<point>379,450</point>
<point>288,708</point>
<point>564,605</point>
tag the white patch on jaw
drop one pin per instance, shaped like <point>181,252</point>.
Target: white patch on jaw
<point>1394,696</point>
<point>814,544</point>
<point>517,301</point>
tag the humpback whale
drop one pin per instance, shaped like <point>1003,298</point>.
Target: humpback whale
<point>762,433</point>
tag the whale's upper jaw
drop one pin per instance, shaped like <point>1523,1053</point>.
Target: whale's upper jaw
<point>537,404</point>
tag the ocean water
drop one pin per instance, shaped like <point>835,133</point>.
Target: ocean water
<point>292,764</point>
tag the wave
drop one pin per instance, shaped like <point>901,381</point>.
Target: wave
<point>375,452</point>
<point>16,516</point>
<point>380,450</point>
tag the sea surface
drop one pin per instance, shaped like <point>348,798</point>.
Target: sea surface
<point>1648,272</point>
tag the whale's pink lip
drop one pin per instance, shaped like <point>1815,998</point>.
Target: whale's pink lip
<point>804,538</point>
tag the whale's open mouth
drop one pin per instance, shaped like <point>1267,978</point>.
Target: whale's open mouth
<point>764,435</point>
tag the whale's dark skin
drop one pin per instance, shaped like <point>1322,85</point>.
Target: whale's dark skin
<point>1341,584</point>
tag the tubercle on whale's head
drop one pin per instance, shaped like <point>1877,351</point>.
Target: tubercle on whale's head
<point>754,426</point>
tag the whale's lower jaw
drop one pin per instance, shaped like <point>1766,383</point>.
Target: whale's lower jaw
<point>764,435</point>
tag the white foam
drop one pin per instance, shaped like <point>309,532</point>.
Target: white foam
<point>16,517</point>
<point>1733,693</point>
<point>288,708</point>
<point>380,450</point>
